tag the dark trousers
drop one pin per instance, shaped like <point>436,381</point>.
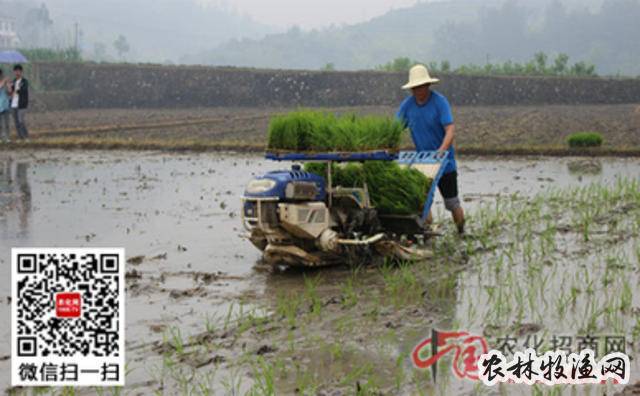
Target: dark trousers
<point>21,126</point>
<point>5,132</point>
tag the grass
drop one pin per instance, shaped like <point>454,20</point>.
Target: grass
<point>392,189</point>
<point>307,130</point>
<point>585,139</point>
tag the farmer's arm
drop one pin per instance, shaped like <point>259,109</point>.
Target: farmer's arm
<point>446,120</point>
<point>449,132</point>
<point>401,115</point>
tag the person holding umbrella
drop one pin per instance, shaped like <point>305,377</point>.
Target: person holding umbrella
<point>20,101</point>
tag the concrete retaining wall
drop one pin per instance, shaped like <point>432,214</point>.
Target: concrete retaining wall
<point>145,86</point>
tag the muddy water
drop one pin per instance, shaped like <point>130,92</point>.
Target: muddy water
<point>177,211</point>
<point>177,216</point>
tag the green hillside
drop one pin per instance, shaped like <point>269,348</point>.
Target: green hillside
<point>396,33</point>
<point>459,31</point>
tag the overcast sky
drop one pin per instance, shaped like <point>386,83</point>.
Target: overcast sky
<point>312,13</point>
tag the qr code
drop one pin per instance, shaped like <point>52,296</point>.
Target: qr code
<point>67,316</point>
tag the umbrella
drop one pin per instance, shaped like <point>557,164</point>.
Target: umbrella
<point>12,56</point>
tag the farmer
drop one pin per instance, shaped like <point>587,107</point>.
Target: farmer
<point>20,101</point>
<point>428,115</point>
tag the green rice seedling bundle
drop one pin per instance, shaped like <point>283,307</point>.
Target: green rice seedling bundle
<point>316,131</point>
<point>585,139</point>
<point>393,189</point>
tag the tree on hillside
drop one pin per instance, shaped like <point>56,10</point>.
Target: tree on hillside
<point>121,45</point>
<point>398,64</point>
<point>607,37</point>
<point>329,67</point>
<point>487,34</point>
<point>560,64</point>
<point>537,66</point>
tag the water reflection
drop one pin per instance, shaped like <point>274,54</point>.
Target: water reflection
<point>587,166</point>
<point>5,183</point>
<point>15,197</point>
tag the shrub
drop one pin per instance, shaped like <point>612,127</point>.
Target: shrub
<point>402,64</point>
<point>318,131</point>
<point>585,139</point>
<point>52,55</point>
<point>537,66</point>
<point>393,189</point>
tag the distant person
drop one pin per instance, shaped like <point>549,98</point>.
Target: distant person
<point>5,87</point>
<point>428,115</point>
<point>20,102</point>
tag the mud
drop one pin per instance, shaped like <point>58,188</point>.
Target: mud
<point>499,128</point>
<point>198,297</point>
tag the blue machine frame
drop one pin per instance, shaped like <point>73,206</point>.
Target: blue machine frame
<point>336,157</point>
<point>403,157</point>
<point>431,158</point>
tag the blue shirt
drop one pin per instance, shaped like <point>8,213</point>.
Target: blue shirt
<point>427,124</point>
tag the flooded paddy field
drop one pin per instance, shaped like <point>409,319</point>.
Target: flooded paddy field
<point>552,250</point>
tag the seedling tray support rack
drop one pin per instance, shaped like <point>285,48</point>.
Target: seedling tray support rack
<point>408,158</point>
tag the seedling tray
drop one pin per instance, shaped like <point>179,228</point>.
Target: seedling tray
<point>337,156</point>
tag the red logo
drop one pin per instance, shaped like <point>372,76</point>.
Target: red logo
<point>68,305</point>
<point>466,350</point>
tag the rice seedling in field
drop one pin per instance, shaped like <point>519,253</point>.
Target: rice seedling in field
<point>174,339</point>
<point>399,373</point>
<point>250,320</point>
<point>227,319</point>
<point>626,297</point>
<point>307,130</point>
<point>232,382</point>
<point>306,383</point>
<point>287,307</point>
<point>393,189</point>
<point>401,284</point>
<point>364,370</point>
<point>585,139</point>
<point>203,387</point>
<point>210,323</point>
<point>349,294</point>
<point>311,294</point>
<point>263,374</point>
<point>67,391</point>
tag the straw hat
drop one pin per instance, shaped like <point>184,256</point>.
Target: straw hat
<point>419,75</point>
